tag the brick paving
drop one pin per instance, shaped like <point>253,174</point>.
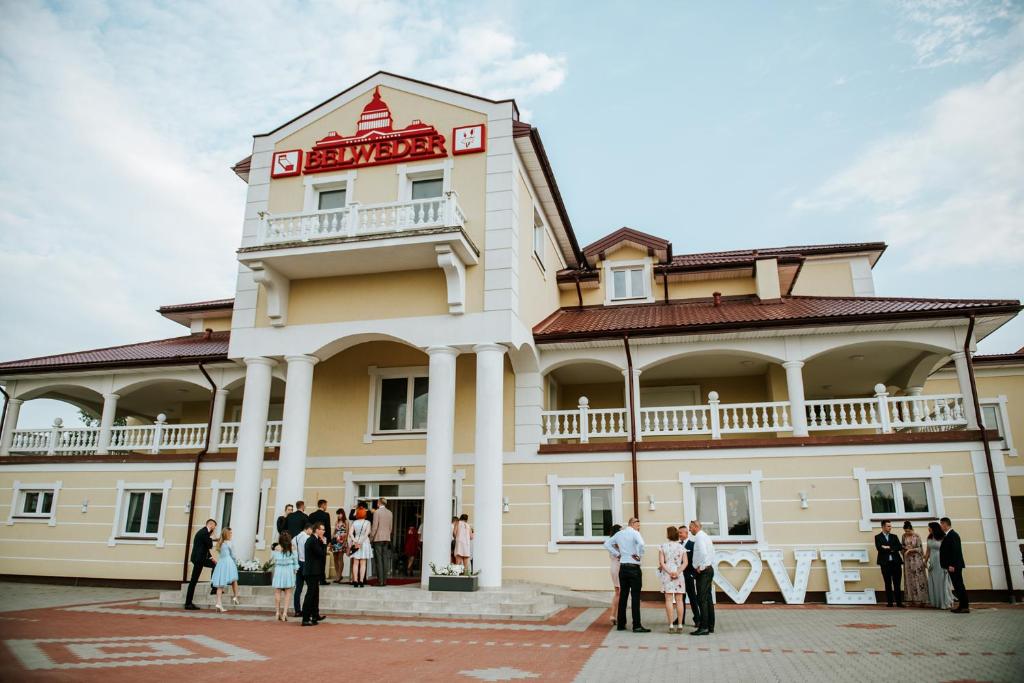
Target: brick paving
<point>122,640</point>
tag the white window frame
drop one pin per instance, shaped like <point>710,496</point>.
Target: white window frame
<point>933,489</point>
<point>556,483</point>
<point>752,479</point>
<point>217,491</point>
<point>354,479</point>
<point>373,408</point>
<point>425,171</point>
<point>609,288</point>
<point>316,184</point>
<point>1003,417</point>
<point>18,491</point>
<point>117,535</point>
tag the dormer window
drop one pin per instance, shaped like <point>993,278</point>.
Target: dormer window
<point>627,281</point>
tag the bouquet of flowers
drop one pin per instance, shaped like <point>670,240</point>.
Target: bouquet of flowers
<point>448,570</point>
<point>255,565</point>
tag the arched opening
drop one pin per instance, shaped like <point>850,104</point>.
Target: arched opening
<point>853,370</point>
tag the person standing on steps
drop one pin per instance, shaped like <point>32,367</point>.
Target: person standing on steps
<point>359,547</point>
<point>296,521</point>
<point>321,516</point>
<point>339,544</point>
<point>628,546</point>
<point>286,563</point>
<point>201,557</point>
<point>951,555</point>
<point>300,575</point>
<point>380,537</point>
<point>282,521</point>
<point>704,568</point>
<point>890,561</point>
<point>226,572</point>
<point>313,571</point>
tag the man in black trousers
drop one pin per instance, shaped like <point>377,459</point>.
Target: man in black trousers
<point>313,571</point>
<point>296,521</point>
<point>202,544</point>
<point>689,575</point>
<point>951,556</point>
<point>890,561</point>
<point>321,516</point>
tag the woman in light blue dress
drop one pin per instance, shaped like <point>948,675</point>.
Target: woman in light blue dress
<point>286,563</point>
<point>226,572</point>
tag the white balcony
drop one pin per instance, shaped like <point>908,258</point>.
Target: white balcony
<point>158,437</point>
<point>882,414</point>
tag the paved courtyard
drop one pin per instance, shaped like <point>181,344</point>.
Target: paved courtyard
<point>81,634</point>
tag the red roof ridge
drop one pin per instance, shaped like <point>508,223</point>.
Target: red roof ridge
<point>195,336</point>
<point>626,233</point>
<point>908,299</point>
<point>197,305</point>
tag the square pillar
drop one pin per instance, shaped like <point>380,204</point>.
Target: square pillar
<point>963,378</point>
<point>252,437</point>
<point>437,504</point>
<point>291,467</point>
<point>488,462</point>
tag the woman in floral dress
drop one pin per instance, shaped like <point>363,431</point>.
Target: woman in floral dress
<point>339,544</point>
<point>671,563</point>
<point>916,592</point>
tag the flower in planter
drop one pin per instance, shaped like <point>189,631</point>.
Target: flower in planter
<point>255,565</point>
<point>450,570</point>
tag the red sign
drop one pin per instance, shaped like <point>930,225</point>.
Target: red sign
<point>375,142</point>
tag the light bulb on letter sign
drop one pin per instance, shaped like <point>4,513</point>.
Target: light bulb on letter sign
<point>468,139</point>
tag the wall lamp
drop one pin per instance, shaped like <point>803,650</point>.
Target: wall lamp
<point>650,503</point>
<point>803,500</point>
<point>505,507</point>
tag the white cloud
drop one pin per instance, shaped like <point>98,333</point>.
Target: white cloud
<point>950,191</point>
<point>120,120</point>
<point>956,31</point>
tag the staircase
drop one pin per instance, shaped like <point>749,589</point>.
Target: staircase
<point>515,601</point>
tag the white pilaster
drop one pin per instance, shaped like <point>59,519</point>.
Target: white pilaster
<point>487,476</point>
<point>437,504</point>
<point>529,406</point>
<point>633,400</point>
<point>963,378</point>
<point>795,388</point>
<point>10,424</point>
<point>291,468</point>
<point>106,422</point>
<point>252,435</point>
<point>220,400</point>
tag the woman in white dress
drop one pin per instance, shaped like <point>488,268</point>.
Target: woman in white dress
<point>671,563</point>
<point>359,547</point>
<point>614,568</point>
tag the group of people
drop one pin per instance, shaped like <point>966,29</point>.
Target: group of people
<point>927,569</point>
<point>686,567</point>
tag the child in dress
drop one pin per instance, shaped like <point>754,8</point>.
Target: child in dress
<point>286,563</point>
<point>226,572</point>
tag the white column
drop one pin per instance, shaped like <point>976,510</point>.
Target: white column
<point>795,388</point>
<point>291,468</point>
<point>10,424</point>
<point>220,400</point>
<point>106,422</point>
<point>252,435</point>
<point>634,400</point>
<point>963,377</point>
<point>437,504</point>
<point>487,473</point>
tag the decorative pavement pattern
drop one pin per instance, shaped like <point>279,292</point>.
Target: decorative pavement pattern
<point>125,640</point>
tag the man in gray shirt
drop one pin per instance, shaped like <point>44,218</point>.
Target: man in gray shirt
<point>628,546</point>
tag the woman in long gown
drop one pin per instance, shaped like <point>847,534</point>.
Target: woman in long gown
<point>939,594</point>
<point>916,580</point>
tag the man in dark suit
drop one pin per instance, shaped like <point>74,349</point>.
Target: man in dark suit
<point>951,556</point>
<point>321,516</point>
<point>690,576</point>
<point>890,561</point>
<point>296,521</point>
<point>282,521</point>
<point>313,571</point>
<point>202,544</point>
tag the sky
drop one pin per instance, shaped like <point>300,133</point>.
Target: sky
<point>715,125</point>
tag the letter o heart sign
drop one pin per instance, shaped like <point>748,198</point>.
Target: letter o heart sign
<point>734,557</point>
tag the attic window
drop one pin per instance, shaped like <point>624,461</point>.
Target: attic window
<point>628,282</point>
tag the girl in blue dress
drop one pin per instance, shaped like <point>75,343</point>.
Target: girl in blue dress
<point>286,563</point>
<point>226,572</point>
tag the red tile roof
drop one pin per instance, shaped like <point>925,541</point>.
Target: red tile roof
<point>174,351</point>
<point>1000,358</point>
<point>743,312</point>
<point>625,234</point>
<point>714,258</point>
<point>213,304</point>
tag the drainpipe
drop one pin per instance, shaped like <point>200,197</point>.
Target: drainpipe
<point>632,425</point>
<point>579,291</point>
<point>195,475</point>
<point>988,463</point>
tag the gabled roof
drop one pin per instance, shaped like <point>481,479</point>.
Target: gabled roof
<point>174,351</point>
<point>183,314</point>
<point>745,312</point>
<point>656,246</point>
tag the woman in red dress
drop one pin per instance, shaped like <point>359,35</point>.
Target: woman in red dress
<point>411,548</point>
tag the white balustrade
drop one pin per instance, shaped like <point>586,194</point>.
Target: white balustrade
<point>30,441</point>
<point>929,413</point>
<point>842,413</point>
<point>229,434</point>
<point>754,418</point>
<point>674,420</point>
<point>273,433</point>
<point>363,219</point>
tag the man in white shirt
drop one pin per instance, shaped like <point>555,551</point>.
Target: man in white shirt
<point>628,546</point>
<point>704,567</point>
<point>299,545</point>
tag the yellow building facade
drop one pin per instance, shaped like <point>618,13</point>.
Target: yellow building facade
<point>414,319</point>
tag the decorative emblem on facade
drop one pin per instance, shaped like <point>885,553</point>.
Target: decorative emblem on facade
<point>375,142</point>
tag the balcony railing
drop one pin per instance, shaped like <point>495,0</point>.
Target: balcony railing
<point>155,438</point>
<point>356,220</point>
<point>882,414</point>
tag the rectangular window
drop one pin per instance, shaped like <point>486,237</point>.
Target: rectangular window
<point>402,404</point>
<point>331,199</point>
<point>538,237</point>
<point>991,418</point>
<point>142,513</point>
<point>586,512</point>
<point>724,510</point>
<point>628,283</point>
<point>899,498</point>
<point>36,504</point>
<point>427,189</point>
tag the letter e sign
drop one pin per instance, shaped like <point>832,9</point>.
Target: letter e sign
<point>286,164</point>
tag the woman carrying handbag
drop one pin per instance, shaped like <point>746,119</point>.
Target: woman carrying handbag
<point>359,547</point>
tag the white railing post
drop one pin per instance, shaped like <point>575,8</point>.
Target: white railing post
<point>715,418</point>
<point>51,447</point>
<point>158,429</point>
<point>352,219</point>
<point>884,417</point>
<point>449,209</point>
<point>584,407</point>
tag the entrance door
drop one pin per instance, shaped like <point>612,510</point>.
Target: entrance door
<point>405,500</point>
